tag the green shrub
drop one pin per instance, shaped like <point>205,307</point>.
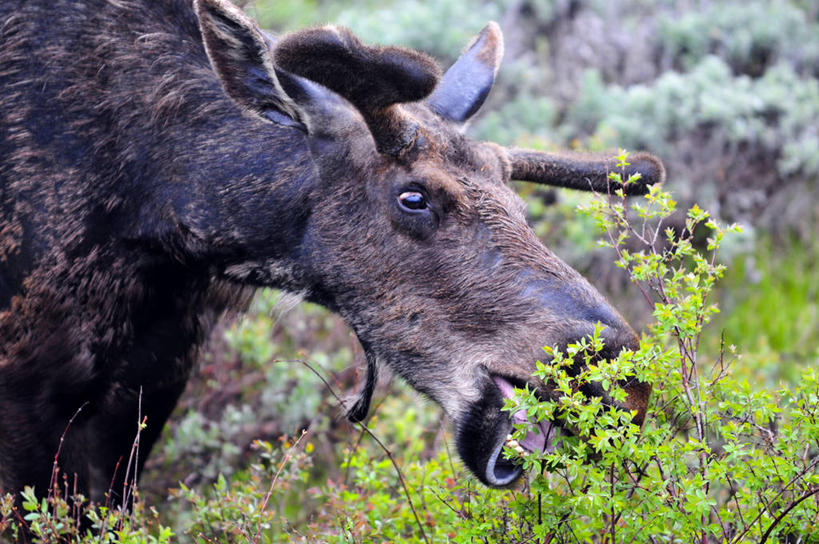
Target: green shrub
<point>63,517</point>
<point>427,26</point>
<point>777,114</point>
<point>259,505</point>
<point>750,36</point>
<point>718,460</point>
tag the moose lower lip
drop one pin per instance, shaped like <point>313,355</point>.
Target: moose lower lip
<point>501,472</point>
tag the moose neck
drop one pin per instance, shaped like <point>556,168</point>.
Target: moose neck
<point>241,196</point>
<point>200,178</point>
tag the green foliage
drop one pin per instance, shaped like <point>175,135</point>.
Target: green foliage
<point>771,311</point>
<point>776,113</point>
<point>750,36</point>
<point>254,506</point>
<point>426,26</point>
<point>56,519</point>
<point>717,459</point>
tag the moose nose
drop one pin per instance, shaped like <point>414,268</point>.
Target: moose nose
<point>616,338</point>
<point>584,309</point>
<point>574,299</point>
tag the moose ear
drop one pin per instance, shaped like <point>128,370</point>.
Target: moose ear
<point>465,86</point>
<point>326,115</point>
<point>241,57</point>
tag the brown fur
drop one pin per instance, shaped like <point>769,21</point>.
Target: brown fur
<point>157,165</point>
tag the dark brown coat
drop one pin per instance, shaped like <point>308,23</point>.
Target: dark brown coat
<point>160,159</point>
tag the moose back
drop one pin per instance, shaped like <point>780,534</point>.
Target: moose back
<point>159,160</point>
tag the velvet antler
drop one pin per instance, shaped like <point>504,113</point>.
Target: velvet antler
<point>376,80</point>
<point>586,172</point>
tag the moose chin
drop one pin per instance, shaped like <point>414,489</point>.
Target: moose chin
<point>161,160</point>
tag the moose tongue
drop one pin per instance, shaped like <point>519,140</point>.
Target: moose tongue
<point>540,434</point>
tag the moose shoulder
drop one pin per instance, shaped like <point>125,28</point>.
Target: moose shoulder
<point>160,160</point>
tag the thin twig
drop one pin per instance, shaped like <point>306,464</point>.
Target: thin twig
<point>781,492</point>
<point>611,495</point>
<point>786,511</point>
<point>133,458</point>
<point>55,467</point>
<point>374,437</point>
<point>273,485</point>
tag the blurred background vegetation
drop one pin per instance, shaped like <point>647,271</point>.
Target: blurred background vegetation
<point>725,92</point>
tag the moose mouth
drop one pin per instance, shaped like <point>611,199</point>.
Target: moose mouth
<point>501,472</point>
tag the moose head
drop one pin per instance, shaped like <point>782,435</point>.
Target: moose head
<point>414,234</point>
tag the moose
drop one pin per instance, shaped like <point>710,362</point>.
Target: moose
<point>160,160</point>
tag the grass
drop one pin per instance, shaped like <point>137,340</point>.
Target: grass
<point>770,310</point>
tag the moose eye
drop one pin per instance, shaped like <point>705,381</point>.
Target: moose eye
<point>412,201</point>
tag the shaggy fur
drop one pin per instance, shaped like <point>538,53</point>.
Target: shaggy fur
<point>157,164</point>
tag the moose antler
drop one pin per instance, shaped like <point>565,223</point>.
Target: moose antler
<point>586,172</point>
<point>376,80</point>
